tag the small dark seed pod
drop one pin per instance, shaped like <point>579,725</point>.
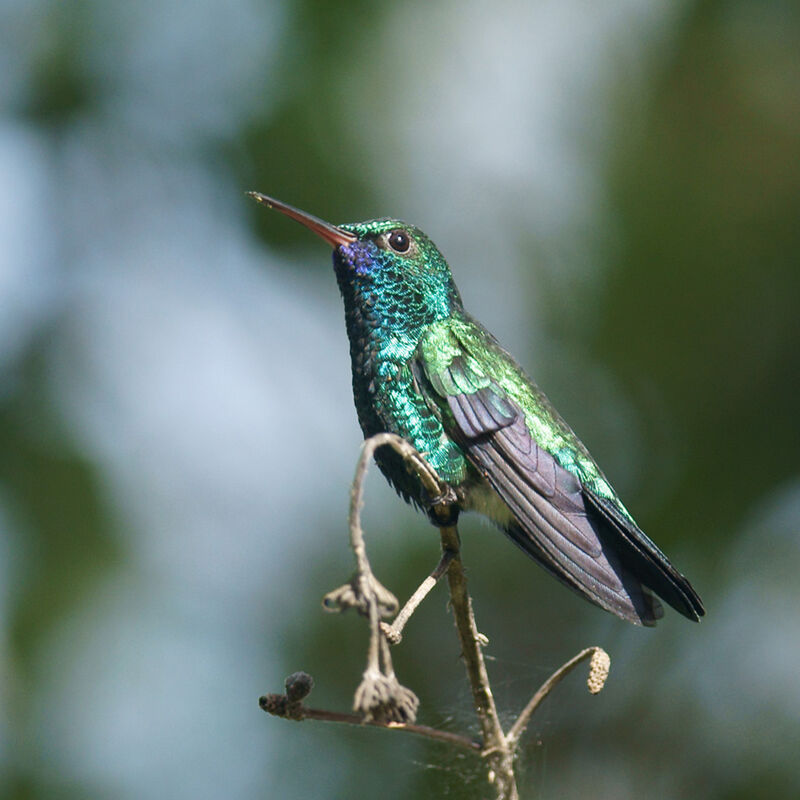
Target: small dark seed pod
<point>298,685</point>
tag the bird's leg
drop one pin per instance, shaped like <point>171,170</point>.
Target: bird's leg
<point>443,511</point>
<point>438,498</point>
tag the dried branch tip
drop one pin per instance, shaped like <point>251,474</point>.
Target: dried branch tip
<point>598,670</point>
<point>298,686</point>
<point>392,635</point>
<point>383,699</point>
<point>274,704</point>
<point>351,596</point>
<point>290,705</point>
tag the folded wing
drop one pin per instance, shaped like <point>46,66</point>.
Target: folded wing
<point>578,536</point>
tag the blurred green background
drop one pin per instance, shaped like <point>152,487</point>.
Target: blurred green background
<point>617,188</point>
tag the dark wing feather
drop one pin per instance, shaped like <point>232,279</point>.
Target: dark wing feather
<point>551,521</point>
<point>578,537</point>
<point>646,560</point>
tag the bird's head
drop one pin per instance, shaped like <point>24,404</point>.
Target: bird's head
<point>384,264</point>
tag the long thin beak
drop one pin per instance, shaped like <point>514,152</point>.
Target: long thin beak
<point>334,236</point>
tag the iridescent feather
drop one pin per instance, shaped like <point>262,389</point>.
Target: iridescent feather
<point>425,370</point>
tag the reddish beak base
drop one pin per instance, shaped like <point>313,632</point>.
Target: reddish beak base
<point>335,237</point>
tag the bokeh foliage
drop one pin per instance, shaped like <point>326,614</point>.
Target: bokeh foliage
<point>675,351</point>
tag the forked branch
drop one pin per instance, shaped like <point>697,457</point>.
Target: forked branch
<point>380,700</point>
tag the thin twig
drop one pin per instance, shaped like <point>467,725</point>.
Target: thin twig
<point>367,583</point>
<point>495,747</point>
<point>521,723</point>
<point>394,631</point>
<point>355,719</point>
<point>379,696</point>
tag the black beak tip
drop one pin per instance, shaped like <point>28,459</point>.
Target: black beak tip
<point>259,198</point>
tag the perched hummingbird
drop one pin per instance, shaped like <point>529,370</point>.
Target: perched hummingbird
<point>427,371</point>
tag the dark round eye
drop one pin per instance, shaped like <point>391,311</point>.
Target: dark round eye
<point>399,241</point>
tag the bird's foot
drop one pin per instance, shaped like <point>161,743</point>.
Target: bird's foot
<point>442,507</point>
<point>444,515</point>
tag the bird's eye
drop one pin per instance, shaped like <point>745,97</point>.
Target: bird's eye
<point>399,241</point>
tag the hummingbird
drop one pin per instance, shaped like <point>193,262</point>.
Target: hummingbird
<point>426,370</point>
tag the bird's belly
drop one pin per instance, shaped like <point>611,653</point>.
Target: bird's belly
<point>483,499</point>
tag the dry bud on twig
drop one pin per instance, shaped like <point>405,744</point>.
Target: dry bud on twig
<point>383,698</point>
<point>598,670</point>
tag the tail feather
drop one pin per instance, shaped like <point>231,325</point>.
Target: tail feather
<point>634,602</point>
<point>639,554</point>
